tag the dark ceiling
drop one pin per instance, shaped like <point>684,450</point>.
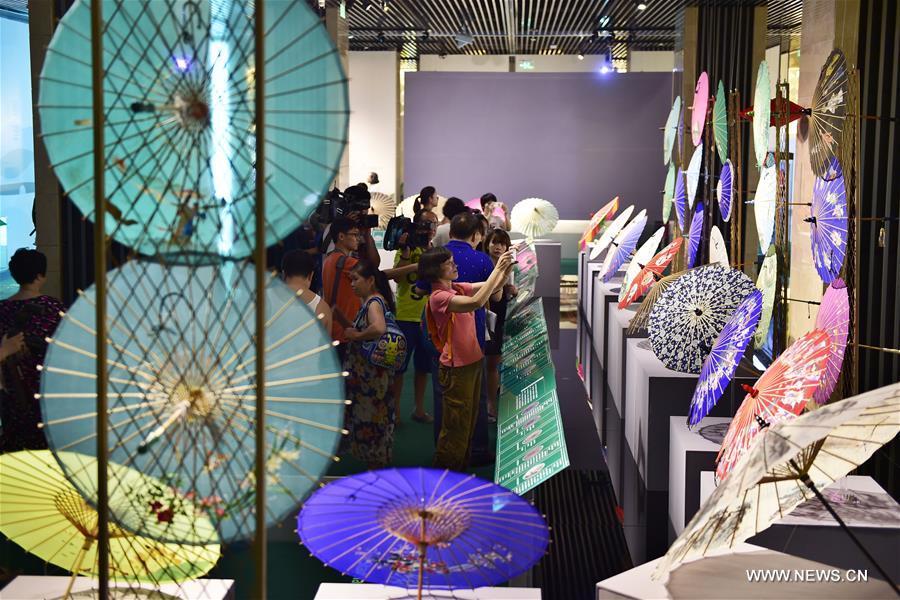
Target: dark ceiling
<point>535,26</point>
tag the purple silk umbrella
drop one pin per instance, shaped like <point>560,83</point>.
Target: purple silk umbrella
<point>723,359</point>
<point>828,220</point>
<point>680,199</point>
<point>695,234</point>
<point>422,528</point>
<point>623,246</point>
<point>833,319</point>
<point>725,189</point>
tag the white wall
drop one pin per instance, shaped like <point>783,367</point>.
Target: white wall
<point>542,63</point>
<point>374,95</point>
<point>463,62</point>
<point>651,61</point>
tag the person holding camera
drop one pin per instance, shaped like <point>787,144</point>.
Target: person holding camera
<point>496,244</point>
<point>450,315</point>
<point>489,205</point>
<point>410,304</point>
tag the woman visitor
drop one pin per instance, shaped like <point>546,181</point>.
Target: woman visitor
<point>497,243</point>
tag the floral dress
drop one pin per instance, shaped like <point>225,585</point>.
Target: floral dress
<point>371,411</point>
<point>20,412</point>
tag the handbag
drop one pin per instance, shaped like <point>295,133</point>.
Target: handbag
<point>388,351</point>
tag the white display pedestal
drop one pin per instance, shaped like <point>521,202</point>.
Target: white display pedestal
<point>618,320</point>
<point>37,587</point>
<point>690,456</point>
<point>370,591</point>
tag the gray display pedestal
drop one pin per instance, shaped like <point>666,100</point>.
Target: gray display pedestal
<point>39,587</point>
<point>549,258</point>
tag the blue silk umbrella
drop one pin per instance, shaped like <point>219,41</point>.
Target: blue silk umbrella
<point>182,391</point>
<point>828,221</point>
<point>422,528</point>
<point>179,90</point>
<point>623,246</point>
<point>680,199</point>
<point>725,190</point>
<point>723,359</point>
<point>694,235</point>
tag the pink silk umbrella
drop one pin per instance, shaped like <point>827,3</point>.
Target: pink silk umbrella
<point>779,394</point>
<point>651,272</point>
<point>833,319</point>
<point>698,112</point>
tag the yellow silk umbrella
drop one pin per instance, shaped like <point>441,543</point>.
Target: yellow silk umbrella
<point>44,514</point>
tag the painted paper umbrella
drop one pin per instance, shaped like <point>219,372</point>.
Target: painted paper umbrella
<point>725,190</point>
<point>384,206</point>
<point>611,231</point>
<point>533,217</point>
<point>691,313</point>
<point>720,123</point>
<point>723,359</point>
<point>642,315</point>
<point>693,174</point>
<point>622,247</point>
<point>761,112</point>
<point>718,251</point>
<point>694,235</point>
<point>596,222</point>
<point>698,111</point>
<point>182,390</point>
<point>668,193</point>
<point>764,205</point>
<point>179,121</point>
<point>650,273</point>
<point>828,224</point>
<point>834,319</point>
<point>828,114</point>
<point>780,393</point>
<point>422,528</point>
<point>680,199</point>
<point>639,261</point>
<point>793,461</point>
<point>670,133</point>
<point>765,282</point>
<point>43,513</point>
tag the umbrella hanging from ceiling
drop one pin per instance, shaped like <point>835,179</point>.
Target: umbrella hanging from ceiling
<point>761,111</point>
<point>718,251</point>
<point>725,190</point>
<point>720,123</point>
<point>670,132</point>
<point>765,282</point>
<point>623,246</point>
<point>182,391</point>
<point>680,200</point>
<point>828,224</point>
<point>649,273</point>
<point>764,206</point>
<point>698,111</point>
<point>668,193</point>
<point>828,114</point>
<point>780,393</point>
<point>691,313</point>
<point>834,319</point>
<point>694,235</point>
<point>533,217</point>
<point>693,174</point>
<point>179,121</point>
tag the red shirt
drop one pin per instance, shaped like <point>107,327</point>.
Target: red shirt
<point>347,302</point>
<point>458,329</point>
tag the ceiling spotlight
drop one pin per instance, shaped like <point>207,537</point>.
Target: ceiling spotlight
<point>604,69</point>
<point>380,37</point>
<point>641,6</point>
<point>580,56</point>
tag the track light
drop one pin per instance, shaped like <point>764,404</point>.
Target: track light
<point>641,6</point>
<point>463,38</point>
<point>580,56</point>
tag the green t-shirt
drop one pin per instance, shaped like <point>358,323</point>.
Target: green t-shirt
<point>409,307</point>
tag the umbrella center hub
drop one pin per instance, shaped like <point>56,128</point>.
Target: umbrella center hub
<point>698,311</point>
<point>193,110</point>
<point>441,522</point>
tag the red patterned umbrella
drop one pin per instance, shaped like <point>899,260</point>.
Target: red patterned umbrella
<point>651,272</point>
<point>779,394</point>
<point>833,319</point>
<point>596,221</point>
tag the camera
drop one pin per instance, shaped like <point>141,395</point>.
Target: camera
<point>418,235</point>
<point>353,203</point>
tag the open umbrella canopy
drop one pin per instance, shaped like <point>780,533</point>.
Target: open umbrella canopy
<point>834,319</point>
<point>720,123</point>
<point>596,222</point>
<point>764,206</point>
<point>422,527</point>
<point>828,114</point>
<point>693,174</point>
<point>670,132</point>
<point>179,120</point>
<point>43,513</point>
<point>640,260</point>
<point>723,359</point>
<point>611,231</point>
<point>668,193</point>
<point>533,217</point>
<point>828,223</point>
<point>182,390</point>
<point>765,282</point>
<point>651,272</point>
<point>623,246</point>
<point>641,316</point>
<point>698,111</point>
<point>725,190</point>
<point>691,313</point>
<point>761,111</point>
<point>695,234</point>
<point>384,206</point>
<point>780,393</point>
<point>782,469</point>
<point>718,251</point>
<point>406,208</point>
<point>680,200</point>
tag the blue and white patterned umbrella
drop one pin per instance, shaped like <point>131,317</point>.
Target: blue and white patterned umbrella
<point>723,359</point>
<point>179,91</point>
<point>695,234</point>
<point>182,390</point>
<point>691,313</point>
<point>623,246</point>
<point>680,199</point>
<point>828,221</point>
<point>725,190</point>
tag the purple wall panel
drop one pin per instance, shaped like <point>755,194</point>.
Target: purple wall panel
<point>575,139</point>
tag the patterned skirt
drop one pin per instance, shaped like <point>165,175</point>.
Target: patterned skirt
<point>370,416</point>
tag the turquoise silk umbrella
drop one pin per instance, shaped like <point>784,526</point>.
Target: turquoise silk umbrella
<point>182,391</point>
<point>179,122</point>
